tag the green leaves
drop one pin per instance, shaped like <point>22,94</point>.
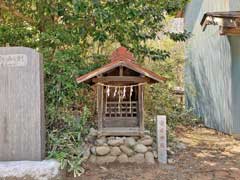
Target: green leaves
<point>173,6</point>
<point>17,35</point>
<point>179,36</point>
<point>66,144</point>
<point>66,24</point>
<point>100,36</point>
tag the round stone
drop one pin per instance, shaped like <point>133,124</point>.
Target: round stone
<point>181,146</point>
<point>155,154</point>
<point>127,150</point>
<point>105,159</point>
<point>136,138</point>
<point>92,159</point>
<point>149,157</point>
<point>111,138</point>
<point>147,136</point>
<point>140,148</point>
<point>115,142</point>
<point>102,150</point>
<point>115,151</point>
<point>101,141</point>
<point>90,139</point>
<point>93,150</point>
<point>137,158</point>
<point>93,132</point>
<point>146,141</point>
<point>130,142</point>
<point>169,151</point>
<point>86,153</point>
<point>149,148</point>
<point>171,161</point>
<point>123,158</point>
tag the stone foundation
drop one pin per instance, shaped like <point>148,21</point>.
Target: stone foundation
<point>110,149</point>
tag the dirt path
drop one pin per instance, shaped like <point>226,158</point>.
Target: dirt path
<point>209,156</point>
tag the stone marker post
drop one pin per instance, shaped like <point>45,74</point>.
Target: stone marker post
<point>22,132</point>
<point>162,139</point>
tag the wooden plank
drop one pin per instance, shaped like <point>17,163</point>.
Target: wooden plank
<point>119,118</point>
<point>228,25</point>
<point>121,79</point>
<point>225,14</point>
<point>100,106</point>
<point>126,133</point>
<point>230,31</point>
<point>140,108</point>
<point>120,122</point>
<point>121,71</point>
<point>121,132</point>
<point>122,102</point>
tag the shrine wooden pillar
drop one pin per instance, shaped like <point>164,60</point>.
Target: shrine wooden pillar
<point>100,107</point>
<point>141,109</point>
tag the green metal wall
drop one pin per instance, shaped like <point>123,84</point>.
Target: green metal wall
<point>235,50</point>
<point>212,68</point>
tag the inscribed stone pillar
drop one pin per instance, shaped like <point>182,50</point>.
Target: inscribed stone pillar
<point>22,132</point>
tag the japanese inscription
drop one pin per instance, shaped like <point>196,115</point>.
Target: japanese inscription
<point>162,139</point>
<point>13,60</point>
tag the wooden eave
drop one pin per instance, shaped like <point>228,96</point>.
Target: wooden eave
<point>149,76</point>
<point>120,79</point>
<point>228,22</point>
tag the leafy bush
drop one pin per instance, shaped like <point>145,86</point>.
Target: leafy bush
<point>66,144</point>
<point>159,98</point>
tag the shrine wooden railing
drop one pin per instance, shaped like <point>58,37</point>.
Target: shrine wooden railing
<point>123,114</point>
<point>122,109</point>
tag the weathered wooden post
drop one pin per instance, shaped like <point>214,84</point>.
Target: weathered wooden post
<point>162,139</point>
<point>22,132</point>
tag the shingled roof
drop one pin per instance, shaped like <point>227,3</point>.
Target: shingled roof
<point>121,57</point>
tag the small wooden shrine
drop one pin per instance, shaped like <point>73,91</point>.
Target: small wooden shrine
<point>120,94</point>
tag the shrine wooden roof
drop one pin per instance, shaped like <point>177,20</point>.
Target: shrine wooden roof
<point>228,22</point>
<point>122,57</point>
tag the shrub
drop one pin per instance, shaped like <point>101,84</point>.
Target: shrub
<point>66,144</point>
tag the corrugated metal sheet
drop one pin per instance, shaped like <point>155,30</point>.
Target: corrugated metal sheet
<point>209,85</point>
<point>235,49</point>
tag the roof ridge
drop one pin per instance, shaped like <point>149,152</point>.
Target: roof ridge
<point>122,54</point>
